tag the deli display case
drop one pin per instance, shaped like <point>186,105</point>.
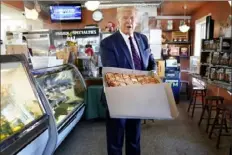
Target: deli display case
<point>25,122</point>
<point>64,88</point>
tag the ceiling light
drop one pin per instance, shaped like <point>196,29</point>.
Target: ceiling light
<point>184,28</point>
<point>229,2</point>
<point>34,14</point>
<point>92,5</point>
<point>27,13</point>
<point>31,14</point>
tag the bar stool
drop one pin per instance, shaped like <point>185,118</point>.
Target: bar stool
<point>209,106</point>
<point>196,91</point>
<point>223,110</point>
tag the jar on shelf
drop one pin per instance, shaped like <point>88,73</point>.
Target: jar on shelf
<point>228,75</point>
<point>230,59</point>
<point>215,58</point>
<point>224,59</point>
<point>220,74</point>
<point>213,74</point>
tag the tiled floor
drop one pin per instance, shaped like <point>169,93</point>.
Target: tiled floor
<point>179,137</point>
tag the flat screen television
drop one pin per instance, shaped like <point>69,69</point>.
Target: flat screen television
<point>66,13</point>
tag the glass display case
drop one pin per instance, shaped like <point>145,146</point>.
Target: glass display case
<point>64,88</point>
<point>23,116</point>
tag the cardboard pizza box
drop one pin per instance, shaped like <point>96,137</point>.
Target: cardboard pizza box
<point>150,101</point>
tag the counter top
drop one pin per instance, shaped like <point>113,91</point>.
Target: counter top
<point>215,83</point>
<point>93,78</point>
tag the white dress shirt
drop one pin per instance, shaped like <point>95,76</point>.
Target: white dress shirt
<point>126,38</point>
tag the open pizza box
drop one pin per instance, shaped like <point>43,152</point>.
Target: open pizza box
<point>149,101</point>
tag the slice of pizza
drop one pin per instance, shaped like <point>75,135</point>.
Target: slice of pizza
<point>114,84</point>
<point>109,76</point>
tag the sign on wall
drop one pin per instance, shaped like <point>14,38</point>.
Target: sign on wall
<point>77,33</point>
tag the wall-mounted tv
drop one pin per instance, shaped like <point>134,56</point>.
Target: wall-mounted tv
<point>66,13</point>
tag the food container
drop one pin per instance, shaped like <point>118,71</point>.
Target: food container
<point>149,101</point>
<point>220,74</point>
<point>228,75</point>
<point>230,60</point>
<point>215,58</point>
<point>224,59</point>
<point>213,74</point>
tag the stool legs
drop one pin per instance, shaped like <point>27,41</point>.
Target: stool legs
<point>202,97</point>
<point>209,117</point>
<point>202,113</point>
<point>194,104</point>
<point>220,130</point>
<point>214,123</point>
<point>223,119</point>
<point>226,127</point>
<point>191,100</point>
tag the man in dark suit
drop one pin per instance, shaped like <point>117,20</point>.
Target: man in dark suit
<point>125,49</point>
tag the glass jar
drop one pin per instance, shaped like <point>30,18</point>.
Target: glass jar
<point>220,74</point>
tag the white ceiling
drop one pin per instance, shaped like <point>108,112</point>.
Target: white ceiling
<point>10,13</point>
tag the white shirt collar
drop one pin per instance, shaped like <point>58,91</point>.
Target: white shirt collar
<point>125,36</point>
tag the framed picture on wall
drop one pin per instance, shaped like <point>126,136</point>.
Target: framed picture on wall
<point>184,51</point>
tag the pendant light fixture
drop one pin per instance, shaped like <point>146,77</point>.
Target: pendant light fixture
<point>34,13</point>
<point>184,27</point>
<point>92,5</point>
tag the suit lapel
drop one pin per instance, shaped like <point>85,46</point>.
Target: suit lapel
<point>140,46</point>
<point>122,44</point>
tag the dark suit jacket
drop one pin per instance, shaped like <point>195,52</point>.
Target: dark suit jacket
<point>115,53</point>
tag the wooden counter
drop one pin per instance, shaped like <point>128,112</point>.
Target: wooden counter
<point>215,88</point>
<point>93,81</point>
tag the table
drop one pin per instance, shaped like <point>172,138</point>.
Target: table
<point>94,108</point>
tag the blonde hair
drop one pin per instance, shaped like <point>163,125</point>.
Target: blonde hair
<point>120,10</point>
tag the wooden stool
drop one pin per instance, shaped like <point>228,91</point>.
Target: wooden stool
<point>196,91</point>
<point>209,106</point>
<point>222,109</point>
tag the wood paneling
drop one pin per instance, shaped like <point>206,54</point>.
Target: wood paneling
<point>220,11</point>
<point>176,8</point>
<point>19,5</point>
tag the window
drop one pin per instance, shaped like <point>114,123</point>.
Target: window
<point>200,26</point>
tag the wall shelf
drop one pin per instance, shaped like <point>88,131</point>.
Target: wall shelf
<point>177,42</point>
